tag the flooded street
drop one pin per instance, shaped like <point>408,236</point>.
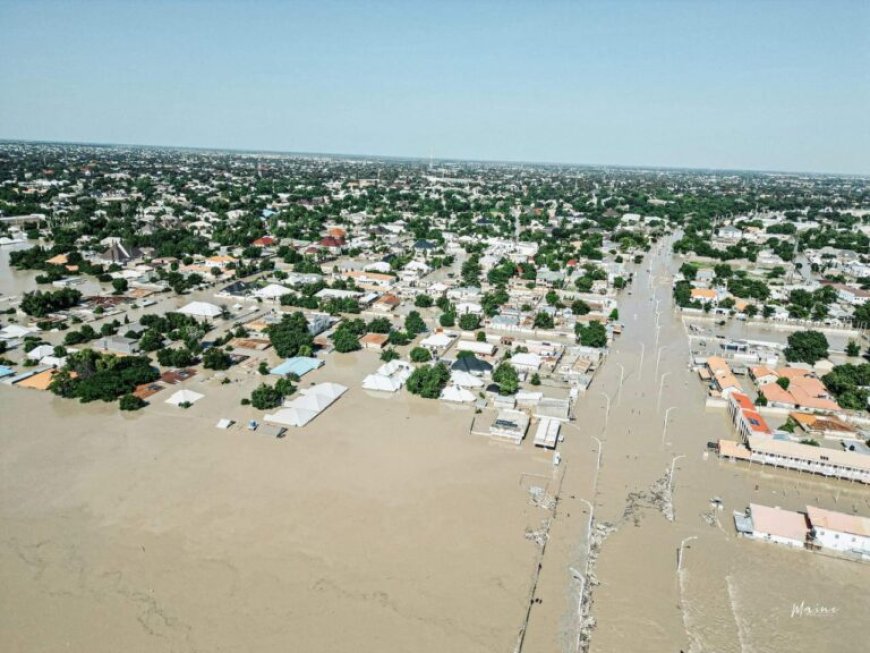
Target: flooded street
<point>732,594</point>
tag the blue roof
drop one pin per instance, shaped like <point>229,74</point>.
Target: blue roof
<point>299,365</point>
<point>6,371</point>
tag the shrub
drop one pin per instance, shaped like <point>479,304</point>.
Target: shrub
<point>132,402</point>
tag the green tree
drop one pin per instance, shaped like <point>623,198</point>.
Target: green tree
<point>507,378</point>
<point>850,384</point>
<point>579,307</point>
<point>806,347</point>
<point>291,337</point>
<point>151,340</point>
<point>216,358</point>
<point>543,321</point>
<point>265,397</point>
<point>469,321</point>
<point>853,349</point>
<point>593,334</point>
<point>379,325</point>
<point>428,380</point>
<point>861,317</point>
<point>423,301</point>
<point>120,285</point>
<point>414,324</point>
<point>420,355</point>
<point>345,339</point>
<point>398,338</point>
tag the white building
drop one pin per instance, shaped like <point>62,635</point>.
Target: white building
<point>547,434</point>
<point>839,532</point>
<point>510,425</point>
<point>779,526</point>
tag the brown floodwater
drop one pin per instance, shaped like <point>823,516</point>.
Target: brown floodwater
<point>732,594</point>
<point>383,525</point>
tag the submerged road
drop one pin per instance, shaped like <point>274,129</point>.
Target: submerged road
<point>635,502</point>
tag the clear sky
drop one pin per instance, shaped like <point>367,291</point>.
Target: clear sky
<point>760,84</point>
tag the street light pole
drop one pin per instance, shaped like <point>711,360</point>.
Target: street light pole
<point>621,380</point>
<point>607,410</point>
<point>661,387</point>
<point>597,464</point>
<point>580,602</point>
<point>659,358</point>
<point>671,475</point>
<point>665,427</point>
<point>680,555</point>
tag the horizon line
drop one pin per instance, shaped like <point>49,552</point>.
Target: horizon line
<point>339,155</point>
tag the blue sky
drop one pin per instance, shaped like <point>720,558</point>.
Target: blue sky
<point>760,84</point>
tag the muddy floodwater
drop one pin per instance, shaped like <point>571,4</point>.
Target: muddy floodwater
<point>384,526</point>
<point>731,594</point>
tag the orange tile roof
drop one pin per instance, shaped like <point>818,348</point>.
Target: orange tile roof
<point>718,364</point>
<point>761,371</point>
<point>375,338</point>
<point>40,380</point>
<point>727,380</point>
<point>773,392</point>
<point>756,422</point>
<point>743,401</point>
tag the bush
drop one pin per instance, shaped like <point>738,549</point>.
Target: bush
<point>132,402</point>
<point>388,355</point>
